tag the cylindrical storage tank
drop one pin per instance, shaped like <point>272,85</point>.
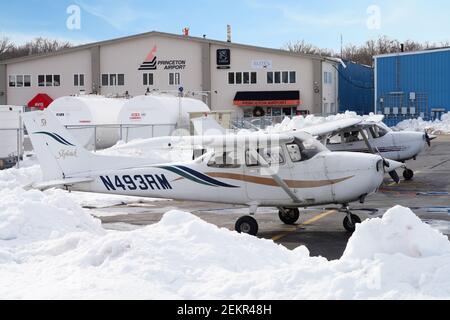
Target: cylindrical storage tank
<point>157,115</point>
<point>93,120</point>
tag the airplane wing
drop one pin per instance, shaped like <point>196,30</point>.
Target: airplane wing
<point>332,126</point>
<point>212,141</point>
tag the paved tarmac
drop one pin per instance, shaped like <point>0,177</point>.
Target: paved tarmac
<point>319,229</point>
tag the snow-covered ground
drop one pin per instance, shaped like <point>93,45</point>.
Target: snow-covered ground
<point>51,248</point>
<point>434,127</point>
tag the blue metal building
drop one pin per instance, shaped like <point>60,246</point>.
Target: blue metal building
<point>356,88</point>
<point>413,84</point>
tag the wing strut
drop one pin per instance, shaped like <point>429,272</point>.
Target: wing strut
<point>276,177</point>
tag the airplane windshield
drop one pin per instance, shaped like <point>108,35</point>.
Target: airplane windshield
<point>305,148</point>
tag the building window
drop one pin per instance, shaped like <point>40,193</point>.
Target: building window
<point>147,79</point>
<point>105,82</point>
<point>238,77</point>
<point>269,77</point>
<point>174,79</point>
<point>292,77</point>
<point>19,81</point>
<point>48,80</point>
<point>113,80</point>
<point>254,78</point>
<point>27,81</point>
<point>78,80</point>
<point>328,77</point>
<point>41,81</point>
<point>121,79</point>
<point>285,77</point>
<point>12,81</point>
<point>56,80</point>
<point>277,77</point>
<point>246,78</point>
<point>230,77</point>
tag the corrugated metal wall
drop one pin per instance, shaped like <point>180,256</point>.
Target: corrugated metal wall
<point>356,88</point>
<point>426,74</point>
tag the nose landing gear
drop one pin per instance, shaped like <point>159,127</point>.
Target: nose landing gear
<point>351,220</point>
<point>408,174</point>
<point>289,216</point>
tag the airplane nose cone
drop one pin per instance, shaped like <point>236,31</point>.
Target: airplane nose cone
<point>364,174</point>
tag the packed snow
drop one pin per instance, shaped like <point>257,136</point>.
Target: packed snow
<point>434,127</point>
<point>51,248</point>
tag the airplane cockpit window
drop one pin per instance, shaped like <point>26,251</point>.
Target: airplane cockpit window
<point>380,131</point>
<point>304,150</point>
<point>270,155</point>
<point>294,152</point>
<point>224,160</point>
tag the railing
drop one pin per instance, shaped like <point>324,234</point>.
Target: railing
<point>12,158</point>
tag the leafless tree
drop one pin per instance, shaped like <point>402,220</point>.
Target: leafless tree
<point>364,54</point>
<point>36,46</point>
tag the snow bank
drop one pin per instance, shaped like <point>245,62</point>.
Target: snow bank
<point>434,127</point>
<point>26,217</point>
<point>398,232</point>
<point>183,257</point>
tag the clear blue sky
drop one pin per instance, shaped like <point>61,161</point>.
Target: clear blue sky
<point>267,23</point>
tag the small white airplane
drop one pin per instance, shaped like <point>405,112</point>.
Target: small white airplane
<point>370,135</point>
<point>287,171</point>
<point>373,136</point>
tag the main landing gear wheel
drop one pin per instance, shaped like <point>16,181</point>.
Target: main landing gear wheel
<point>247,225</point>
<point>289,216</point>
<point>408,174</point>
<point>350,225</point>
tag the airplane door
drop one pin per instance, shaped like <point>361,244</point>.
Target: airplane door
<point>259,182</point>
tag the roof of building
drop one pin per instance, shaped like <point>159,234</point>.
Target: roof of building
<point>167,35</point>
<point>432,50</point>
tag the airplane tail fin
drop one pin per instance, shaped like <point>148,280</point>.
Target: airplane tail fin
<point>57,150</point>
<point>207,126</point>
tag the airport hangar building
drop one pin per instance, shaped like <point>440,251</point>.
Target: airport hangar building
<point>247,80</point>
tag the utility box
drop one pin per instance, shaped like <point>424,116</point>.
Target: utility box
<point>11,135</point>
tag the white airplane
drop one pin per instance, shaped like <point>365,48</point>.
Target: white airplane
<point>287,171</point>
<point>373,136</point>
<point>370,135</point>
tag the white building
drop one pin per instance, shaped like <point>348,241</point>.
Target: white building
<point>245,79</point>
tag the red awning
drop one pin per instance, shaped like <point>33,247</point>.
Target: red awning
<point>41,101</point>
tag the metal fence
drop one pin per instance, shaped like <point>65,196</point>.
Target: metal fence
<point>12,153</point>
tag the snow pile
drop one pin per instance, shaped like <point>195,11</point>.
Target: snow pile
<point>29,216</point>
<point>434,127</point>
<point>398,232</point>
<point>13,178</point>
<point>183,257</point>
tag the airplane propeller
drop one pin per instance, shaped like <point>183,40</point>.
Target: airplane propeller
<point>428,138</point>
<point>393,174</point>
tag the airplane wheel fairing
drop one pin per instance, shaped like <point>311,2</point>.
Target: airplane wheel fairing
<point>408,174</point>
<point>350,226</point>
<point>289,216</point>
<point>247,225</point>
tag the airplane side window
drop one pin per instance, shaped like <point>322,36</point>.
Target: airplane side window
<point>382,132</point>
<point>294,152</point>
<point>374,132</point>
<point>271,156</point>
<point>250,159</point>
<point>224,160</point>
